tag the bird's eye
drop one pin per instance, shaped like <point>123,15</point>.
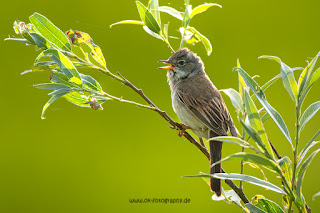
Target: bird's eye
<point>181,62</point>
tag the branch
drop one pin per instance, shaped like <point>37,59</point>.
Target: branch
<point>186,135</point>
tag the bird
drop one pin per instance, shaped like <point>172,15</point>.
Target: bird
<point>199,105</point>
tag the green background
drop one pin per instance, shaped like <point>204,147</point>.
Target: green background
<point>81,160</point>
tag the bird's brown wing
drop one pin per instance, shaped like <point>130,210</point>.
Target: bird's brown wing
<point>209,106</point>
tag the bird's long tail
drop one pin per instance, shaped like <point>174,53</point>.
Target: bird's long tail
<point>215,156</point>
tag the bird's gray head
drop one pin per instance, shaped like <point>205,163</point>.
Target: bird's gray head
<point>183,64</point>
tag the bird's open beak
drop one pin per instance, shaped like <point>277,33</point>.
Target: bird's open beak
<point>167,67</point>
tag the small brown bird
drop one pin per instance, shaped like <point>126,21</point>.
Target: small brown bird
<point>198,104</point>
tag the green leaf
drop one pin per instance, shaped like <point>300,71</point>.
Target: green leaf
<point>128,22</point>
<point>62,90</point>
<point>304,152</point>
<point>310,142</point>
<point>165,31</point>
<point>202,8</point>
<point>60,77</point>
<point>256,124</point>
<point>54,86</point>
<point>49,31</point>
<point>148,18</point>
<point>256,89</point>
<point>266,205</point>
<point>154,9</point>
<point>206,43</point>
<point>64,63</point>
<point>40,41</point>
<point>255,166</point>
<point>248,157</point>
<point>51,100</point>
<point>91,83</point>
<point>21,40</point>
<point>302,171</point>
<point>234,98</point>
<point>245,178</point>
<point>77,98</point>
<point>308,114</point>
<point>186,15</point>
<point>305,74</point>
<point>78,38</point>
<point>171,11</point>
<point>288,78</point>
<point>152,33</point>
<point>285,165</point>
<point>234,140</point>
<point>253,208</point>
<point>265,117</point>
<point>314,78</point>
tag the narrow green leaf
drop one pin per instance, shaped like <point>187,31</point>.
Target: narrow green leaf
<point>245,178</point>
<point>53,86</point>
<point>186,15</point>
<point>202,8</point>
<point>248,157</point>
<point>265,117</point>
<point>206,43</point>
<point>60,77</point>
<point>256,124</point>
<point>314,78</point>
<point>287,75</point>
<point>171,11</point>
<point>49,31</point>
<point>310,142</point>
<point>234,98</point>
<point>128,22</point>
<point>304,76</point>
<point>148,18</point>
<point>62,90</point>
<point>154,9</point>
<point>64,63</point>
<point>308,114</point>
<point>253,208</point>
<point>234,140</point>
<point>51,100</point>
<point>91,83</point>
<point>266,205</point>
<point>40,41</point>
<point>152,33</point>
<point>285,165</point>
<point>302,171</point>
<point>304,152</point>
<point>262,99</point>
<point>21,40</point>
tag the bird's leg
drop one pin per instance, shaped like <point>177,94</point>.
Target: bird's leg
<point>181,128</point>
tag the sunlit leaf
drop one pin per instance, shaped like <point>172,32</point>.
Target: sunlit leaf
<point>254,209</point>
<point>148,18</point>
<point>186,15</point>
<point>60,77</point>
<point>255,166</point>
<point>256,124</point>
<point>128,22</point>
<point>234,98</point>
<point>206,43</point>
<point>287,75</point>
<point>304,152</point>
<point>49,31</point>
<point>235,140</point>
<point>266,205</point>
<point>308,114</point>
<point>64,63</point>
<point>152,33</point>
<point>302,171</point>
<point>154,9</point>
<point>285,165</point>
<point>90,83</point>
<point>40,41</point>
<point>202,8</point>
<point>245,178</point>
<point>54,86</point>
<point>262,99</point>
<point>310,142</point>
<point>249,157</point>
<point>171,11</point>
<point>51,100</point>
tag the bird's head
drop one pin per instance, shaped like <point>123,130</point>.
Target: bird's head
<point>183,64</point>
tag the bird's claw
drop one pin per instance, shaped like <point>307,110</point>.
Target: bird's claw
<point>181,129</point>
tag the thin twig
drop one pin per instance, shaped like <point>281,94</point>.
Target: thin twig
<point>186,134</point>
